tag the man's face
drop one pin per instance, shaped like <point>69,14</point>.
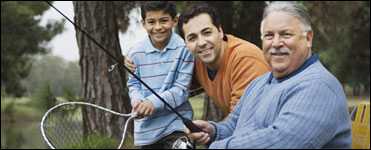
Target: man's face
<point>203,39</point>
<point>286,46</point>
<point>159,26</point>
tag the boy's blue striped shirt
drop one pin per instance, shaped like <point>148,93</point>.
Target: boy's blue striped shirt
<point>169,73</point>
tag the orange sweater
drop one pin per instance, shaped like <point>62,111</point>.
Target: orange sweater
<point>241,63</point>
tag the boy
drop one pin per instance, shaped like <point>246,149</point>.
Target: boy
<point>164,63</point>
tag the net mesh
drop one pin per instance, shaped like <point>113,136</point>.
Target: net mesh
<point>64,128</point>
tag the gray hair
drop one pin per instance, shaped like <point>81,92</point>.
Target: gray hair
<point>292,8</point>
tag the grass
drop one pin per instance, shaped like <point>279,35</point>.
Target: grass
<point>19,107</point>
<point>93,141</point>
<point>20,124</point>
<point>197,103</point>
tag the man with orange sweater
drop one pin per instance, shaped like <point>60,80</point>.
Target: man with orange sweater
<point>224,64</point>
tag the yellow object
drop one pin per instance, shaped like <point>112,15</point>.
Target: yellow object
<point>361,127</point>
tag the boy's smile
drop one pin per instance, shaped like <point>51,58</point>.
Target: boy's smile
<point>159,25</point>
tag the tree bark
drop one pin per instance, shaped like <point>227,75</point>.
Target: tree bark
<point>107,89</point>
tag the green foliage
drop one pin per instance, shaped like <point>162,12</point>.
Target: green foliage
<point>19,107</point>
<point>9,110</point>
<point>63,76</point>
<point>246,24</point>
<point>71,79</point>
<point>95,142</point>
<point>3,93</point>
<point>22,36</point>
<point>342,38</point>
<point>197,103</point>
<point>69,94</point>
<point>44,98</point>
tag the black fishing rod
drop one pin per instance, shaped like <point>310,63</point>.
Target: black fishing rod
<point>188,123</point>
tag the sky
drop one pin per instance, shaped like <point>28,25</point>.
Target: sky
<point>65,45</point>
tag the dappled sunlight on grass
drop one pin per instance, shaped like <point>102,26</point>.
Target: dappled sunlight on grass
<point>197,103</point>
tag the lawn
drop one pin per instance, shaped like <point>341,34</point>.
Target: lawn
<point>197,103</point>
<point>20,123</point>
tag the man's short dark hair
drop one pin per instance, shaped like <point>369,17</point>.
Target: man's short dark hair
<point>166,6</point>
<point>195,10</point>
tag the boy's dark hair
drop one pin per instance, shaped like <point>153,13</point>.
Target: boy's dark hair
<point>166,6</point>
<point>195,10</point>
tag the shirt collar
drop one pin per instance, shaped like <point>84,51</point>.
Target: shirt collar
<point>172,44</point>
<point>311,60</point>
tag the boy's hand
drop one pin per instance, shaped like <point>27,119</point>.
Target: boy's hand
<point>129,64</point>
<point>202,137</point>
<point>143,108</point>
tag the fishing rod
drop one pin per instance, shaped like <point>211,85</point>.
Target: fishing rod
<point>188,123</point>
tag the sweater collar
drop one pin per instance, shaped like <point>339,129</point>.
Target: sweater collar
<point>311,60</point>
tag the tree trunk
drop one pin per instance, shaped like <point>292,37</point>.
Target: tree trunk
<point>107,89</point>
<point>211,111</point>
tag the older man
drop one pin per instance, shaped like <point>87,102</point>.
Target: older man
<point>298,105</point>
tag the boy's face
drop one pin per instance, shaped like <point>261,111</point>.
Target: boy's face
<point>158,25</point>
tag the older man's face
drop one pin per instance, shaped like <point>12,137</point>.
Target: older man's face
<point>286,46</point>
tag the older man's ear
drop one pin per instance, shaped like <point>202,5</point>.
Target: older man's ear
<point>309,37</point>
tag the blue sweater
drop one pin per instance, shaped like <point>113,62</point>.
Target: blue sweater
<point>307,109</point>
<point>168,72</point>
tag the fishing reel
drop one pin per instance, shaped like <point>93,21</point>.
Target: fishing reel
<point>183,143</point>
<point>112,67</point>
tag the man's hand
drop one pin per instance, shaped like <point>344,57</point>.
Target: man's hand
<point>129,64</point>
<point>202,137</point>
<point>143,108</point>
